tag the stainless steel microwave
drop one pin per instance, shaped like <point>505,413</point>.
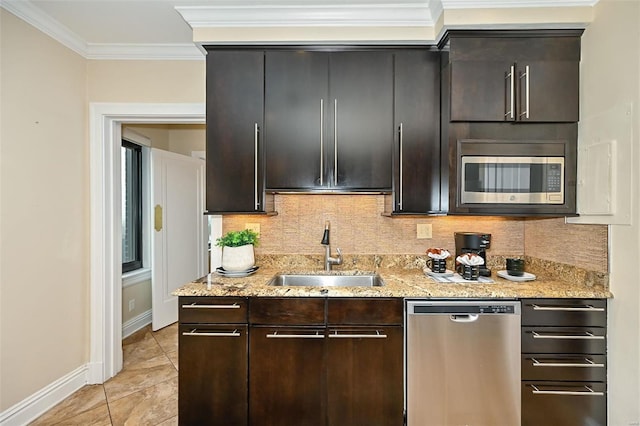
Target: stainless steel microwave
<point>512,180</point>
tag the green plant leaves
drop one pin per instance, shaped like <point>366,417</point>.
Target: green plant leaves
<point>238,238</point>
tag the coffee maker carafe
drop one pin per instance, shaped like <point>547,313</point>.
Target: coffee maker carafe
<point>474,242</point>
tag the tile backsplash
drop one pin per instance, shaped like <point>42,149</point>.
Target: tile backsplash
<point>358,227</point>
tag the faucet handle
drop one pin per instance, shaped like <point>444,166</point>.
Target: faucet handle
<point>339,262</point>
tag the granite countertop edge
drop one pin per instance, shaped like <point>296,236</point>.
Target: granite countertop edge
<point>401,283</point>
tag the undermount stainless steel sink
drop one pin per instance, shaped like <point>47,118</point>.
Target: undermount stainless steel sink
<point>360,280</point>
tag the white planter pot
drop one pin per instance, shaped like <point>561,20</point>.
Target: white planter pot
<point>236,259</point>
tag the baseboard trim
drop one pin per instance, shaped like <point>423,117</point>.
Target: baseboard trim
<point>37,404</point>
<point>136,323</point>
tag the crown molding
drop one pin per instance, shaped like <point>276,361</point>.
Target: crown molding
<point>509,4</point>
<point>317,15</point>
<point>281,13</point>
<point>33,15</point>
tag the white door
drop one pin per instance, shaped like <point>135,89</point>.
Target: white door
<point>179,242</point>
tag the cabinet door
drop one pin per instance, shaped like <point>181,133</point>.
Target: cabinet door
<point>235,81</point>
<point>554,91</point>
<point>483,91</point>
<point>212,380</point>
<point>286,376</point>
<point>296,99</point>
<point>417,122</point>
<point>365,376</point>
<point>361,104</point>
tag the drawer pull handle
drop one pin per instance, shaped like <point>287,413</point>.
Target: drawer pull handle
<point>588,392</point>
<point>585,308</point>
<point>195,306</point>
<point>587,336</point>
<point>276,335</point>
<point>588,363</point>
<point>337,335</point>
<point>195,332</point>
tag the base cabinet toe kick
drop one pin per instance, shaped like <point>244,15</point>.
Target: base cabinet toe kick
<point>323,361</point>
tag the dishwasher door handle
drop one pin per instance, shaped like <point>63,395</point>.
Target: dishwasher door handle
<point>464,317</point>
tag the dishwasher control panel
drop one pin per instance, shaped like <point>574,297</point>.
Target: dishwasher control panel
<point>465,309</point>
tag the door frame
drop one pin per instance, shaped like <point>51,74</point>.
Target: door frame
<point>105,295</point>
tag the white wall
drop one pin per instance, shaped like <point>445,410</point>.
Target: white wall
<point>44,211</point>
<point>610,79</point>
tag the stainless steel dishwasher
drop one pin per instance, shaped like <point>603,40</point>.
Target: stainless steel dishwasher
<point>463,363</point>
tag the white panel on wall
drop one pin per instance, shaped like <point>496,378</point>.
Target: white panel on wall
<point>596,179</point>
<point>605,188</point>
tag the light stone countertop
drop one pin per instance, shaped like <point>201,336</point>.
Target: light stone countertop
<point>399,282</point>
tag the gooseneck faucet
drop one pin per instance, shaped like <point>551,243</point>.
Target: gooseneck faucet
<point>328,260</point>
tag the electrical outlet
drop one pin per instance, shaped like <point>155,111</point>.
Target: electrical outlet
<point>423,231</point>
<point>132,304</point>
<point>255,227</point>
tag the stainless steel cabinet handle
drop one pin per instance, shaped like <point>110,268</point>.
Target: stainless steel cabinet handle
<point>255,140</point>
<point>526,76</point>
<point>587,363</point>
<point>588,392</point>
<point>321,142</point>
<point>195,332</point>
<point>510,113</point>
<point>276,335</point>
<point>195,306</point>
<point>401,169</point>
<point>337,335</point>
<point>586,336</point>
<point>335,142</point>
<point>585,308</point>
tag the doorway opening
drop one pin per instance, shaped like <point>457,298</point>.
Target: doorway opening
<point>106,121</point>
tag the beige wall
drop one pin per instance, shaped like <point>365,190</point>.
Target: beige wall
<point>141,294</point>
<point>146,81</point>
<point>610,72</point>
<point>185,138</point>
<point>44,211</point>
<point>178,138</point>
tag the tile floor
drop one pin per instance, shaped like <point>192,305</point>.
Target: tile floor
<point>145,392</point>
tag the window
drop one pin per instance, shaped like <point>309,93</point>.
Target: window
<point>131,206</point>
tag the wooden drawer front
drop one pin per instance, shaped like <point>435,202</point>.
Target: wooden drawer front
<point>565,312</point>
<point>365,311</point>
<point>287,311</point>
<point>588,368</point>
<point>564,404</point>
<point>564,340</point>
<point>213,310</point>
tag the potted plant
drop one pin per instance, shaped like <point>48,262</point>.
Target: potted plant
<point>237,250</point>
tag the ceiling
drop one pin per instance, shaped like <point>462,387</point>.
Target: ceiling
<point>162,29</point>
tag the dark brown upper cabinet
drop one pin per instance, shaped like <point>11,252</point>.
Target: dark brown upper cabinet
<point>514,76</point>
<point>235,102</point>
<point>417,123</point>
<point>328,120</point>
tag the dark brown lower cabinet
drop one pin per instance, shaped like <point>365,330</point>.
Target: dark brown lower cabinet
<point>364,376</point>
<point>287,376</point>
<point>564,362</point>
<point>212,379</point>
<point>564,403</point>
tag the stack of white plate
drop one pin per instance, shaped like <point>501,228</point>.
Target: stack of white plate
<point>236,274</point>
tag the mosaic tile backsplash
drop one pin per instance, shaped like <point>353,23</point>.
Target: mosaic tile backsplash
<point>358,227</point>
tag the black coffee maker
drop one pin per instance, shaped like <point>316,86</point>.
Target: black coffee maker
<point>474,242</point>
